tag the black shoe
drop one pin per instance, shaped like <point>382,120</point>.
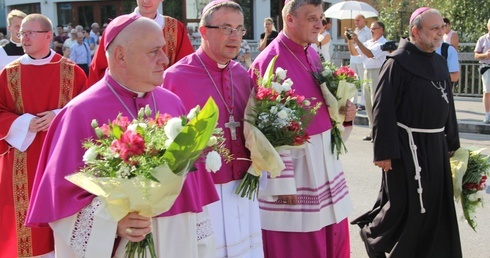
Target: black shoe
<point>371,253</point>
<point>367,138</point>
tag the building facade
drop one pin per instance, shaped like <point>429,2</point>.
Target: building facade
<point>85,12</point>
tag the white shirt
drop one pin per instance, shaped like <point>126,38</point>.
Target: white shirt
<point>452,58</point>
<point>363,35</point>
<point>379,56</point>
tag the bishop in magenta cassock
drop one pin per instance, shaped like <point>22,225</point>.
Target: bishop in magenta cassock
<point>316,226</point>
<point>82,227</point>
<point>211,72</point>
<point>38,83</point>
<point>175,34</point>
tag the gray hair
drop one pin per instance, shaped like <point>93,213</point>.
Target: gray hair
<point>208,15</point>
<point>293,5</point>
<point>417,21</point>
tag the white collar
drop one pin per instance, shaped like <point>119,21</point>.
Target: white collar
<point>16,44</point>
<point>158,19</point>
<point>140,94</point>
<point>27,60</point>
<point>223,66</point>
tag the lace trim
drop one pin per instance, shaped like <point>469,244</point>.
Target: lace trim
<point>204,229</point>
<point>83,228</point>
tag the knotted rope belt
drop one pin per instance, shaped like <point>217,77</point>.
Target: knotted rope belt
<point>413,149</point>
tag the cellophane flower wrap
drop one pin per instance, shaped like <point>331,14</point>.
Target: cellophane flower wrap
<point>140,165</point>
<point>337,86</point>
<point>276,118</point>
<point>470,170</point>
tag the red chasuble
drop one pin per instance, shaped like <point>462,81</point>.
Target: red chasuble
<point>28,89</point>
<point>178,46</point>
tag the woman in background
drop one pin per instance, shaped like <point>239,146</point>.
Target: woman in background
<point>269,34</point>
<point>323,45</point>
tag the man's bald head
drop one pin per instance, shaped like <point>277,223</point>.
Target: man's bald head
<point>135,54</point>
<point>360,21</point>
<point>134,32</point>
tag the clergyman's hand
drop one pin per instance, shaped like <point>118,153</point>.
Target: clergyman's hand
<point>349,111</point>
<point>45,119</point>
<point>384,164</point>
<point>291,199</point>
<point>134,227</point>
<point>41,122</point>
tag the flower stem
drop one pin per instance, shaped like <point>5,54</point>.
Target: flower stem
<point>139,249</point>
<point>249,187</point>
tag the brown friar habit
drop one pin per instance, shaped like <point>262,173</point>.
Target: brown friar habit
<point>414,89</point>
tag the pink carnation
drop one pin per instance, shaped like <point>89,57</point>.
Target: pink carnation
<point>122,121</point>
<point>266,93</point>
<point>160,120</point>
<point>129,145</point>
<point>300,99</point>
<point>106,130</point>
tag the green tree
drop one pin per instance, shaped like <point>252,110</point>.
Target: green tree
<point>468,17</point>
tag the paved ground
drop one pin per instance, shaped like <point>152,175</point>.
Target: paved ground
<point>363,179</point>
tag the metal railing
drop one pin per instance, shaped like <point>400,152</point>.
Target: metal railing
<point>469,83</point>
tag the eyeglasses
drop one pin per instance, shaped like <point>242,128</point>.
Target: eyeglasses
<point>227,30</point>
<point>31,33</point>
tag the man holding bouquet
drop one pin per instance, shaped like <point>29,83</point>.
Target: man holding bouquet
<point>81,224</point>
<point>305,213</point>
<point>210,71</point>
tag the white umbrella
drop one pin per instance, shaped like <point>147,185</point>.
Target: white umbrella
<point>350,9</point>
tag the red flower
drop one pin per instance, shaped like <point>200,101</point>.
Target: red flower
<point>266,94</point>
<point>294,126</point>
<point>129,145</point>
<point>300,139</point>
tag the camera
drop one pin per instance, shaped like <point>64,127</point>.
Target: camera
<point>349,34</point>
<point>389,46</point>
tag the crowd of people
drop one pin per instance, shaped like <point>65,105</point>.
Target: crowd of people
<point>57,82</point>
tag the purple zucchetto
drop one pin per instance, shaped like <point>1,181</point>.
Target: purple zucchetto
<point>418,12</point>
<point>116,26</point>
<point>213,3</point>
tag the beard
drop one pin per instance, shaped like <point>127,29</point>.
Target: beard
<point>430,43</point>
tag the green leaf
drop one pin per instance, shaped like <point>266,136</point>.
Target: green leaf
<point>117,131</point>
<point>192,140</point>
<point>269,72</point>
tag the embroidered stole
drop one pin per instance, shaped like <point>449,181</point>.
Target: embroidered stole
<point>171,33</point>
<point>20,174</point>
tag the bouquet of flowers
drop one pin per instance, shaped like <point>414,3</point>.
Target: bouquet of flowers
<point>337,85</point>
<point>141,165</point>
<point>470,170</point>
<point>277,118</point>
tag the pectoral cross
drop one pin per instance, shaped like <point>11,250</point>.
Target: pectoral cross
<point>444,95</point>
<point>232,125</point>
